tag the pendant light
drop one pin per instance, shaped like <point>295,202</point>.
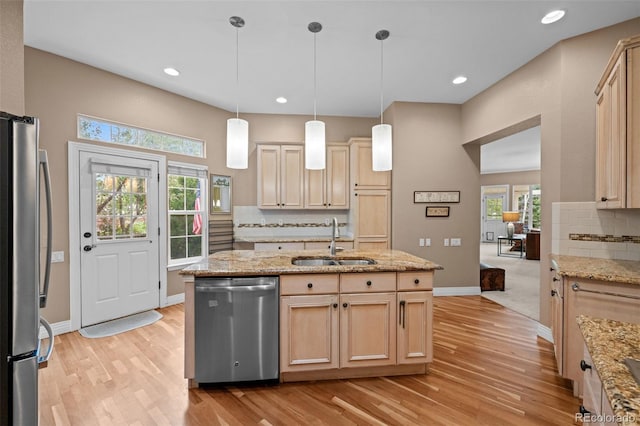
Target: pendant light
<point>381,147</point>
<point>237,129</point>
<point>314,134</point>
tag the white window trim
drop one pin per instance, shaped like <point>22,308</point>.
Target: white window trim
<point>204,195</point>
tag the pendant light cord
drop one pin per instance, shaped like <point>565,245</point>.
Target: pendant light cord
<point>315,80</point>
<point>237,74</point>
<point>381,80</point>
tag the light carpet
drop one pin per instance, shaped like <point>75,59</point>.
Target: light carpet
<point>522,281</point>
<point>120,325</point>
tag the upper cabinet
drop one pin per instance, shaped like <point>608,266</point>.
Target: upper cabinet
<point>618,129</point>
<point>362,174</point>
<point>329,188</point>
<point>280,177</point>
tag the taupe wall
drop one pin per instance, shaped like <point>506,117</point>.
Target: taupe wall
<point>558,86</point>
<point>11,57</point>
<point>58,89</point>
<point>531,177</point>
<point>428,156</point>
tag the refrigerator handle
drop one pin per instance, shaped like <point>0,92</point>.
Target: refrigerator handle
<point>45,357</point>
<point>44,162</point>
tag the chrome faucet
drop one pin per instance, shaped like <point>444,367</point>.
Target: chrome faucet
<point>335,232</point>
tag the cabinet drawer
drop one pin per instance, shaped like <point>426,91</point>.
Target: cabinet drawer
<point>308,284</point>
<point>362,282</point>
<point>414,281</point>
<point>320,245</point>
<point>278,246</point>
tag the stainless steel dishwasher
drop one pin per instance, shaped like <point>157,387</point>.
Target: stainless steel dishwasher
<point>236,329</point>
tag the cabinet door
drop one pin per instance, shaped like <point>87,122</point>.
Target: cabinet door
<point>557,320</point>
<point>308,332</point>
<point>291,177</point>
<point>415,319</point>
<point>371,210</point>
<point>278,246</point>
<point>362,168</point>
<point>592,395</point>
<point>337,177</point>
<point>268,176</point>
<point>611,137</point>
<point>367,329</point>
<point>315,194</point>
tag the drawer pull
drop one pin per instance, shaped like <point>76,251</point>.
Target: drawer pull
<point>416,281</point>
<point>576,287</point>
<point>555,279</point>
<point>310,285</point>
<point>584,366</point>
<point>369,283</point>
<point>584,411</point>
<point>553,293</point>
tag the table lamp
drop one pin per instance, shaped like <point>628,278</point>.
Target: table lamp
<point>510,217</point>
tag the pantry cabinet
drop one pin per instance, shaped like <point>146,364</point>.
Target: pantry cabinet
<point>280,177</point>
<point>329,188</point>
<point>618,129</point>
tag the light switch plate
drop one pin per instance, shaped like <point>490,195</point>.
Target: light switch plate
<point>446,242</point>
<point>421,242</point>
<point>456,242</point>
<point>57,257</point>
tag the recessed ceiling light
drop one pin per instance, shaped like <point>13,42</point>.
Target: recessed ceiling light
<point>553,16</point>
<point>459,80</point>
<point>172,72</point>
<point>281,100</point>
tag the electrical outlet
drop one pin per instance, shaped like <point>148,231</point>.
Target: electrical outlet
<point>427,242</point>
<point>327,222</point>
<point>456,242</point>
<point>263,222</point>
<point>280,222</point>
<point>446,242</point>
<point>57,256</point>
<point>421,242</point>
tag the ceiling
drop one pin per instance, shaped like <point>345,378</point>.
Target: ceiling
<point>431,42</point>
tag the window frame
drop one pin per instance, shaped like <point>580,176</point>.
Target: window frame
<point>201,172</point>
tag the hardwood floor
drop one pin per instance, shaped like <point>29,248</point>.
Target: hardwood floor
<point>489,369</point>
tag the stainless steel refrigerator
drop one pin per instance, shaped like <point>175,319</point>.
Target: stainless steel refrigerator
<point>24,272</point>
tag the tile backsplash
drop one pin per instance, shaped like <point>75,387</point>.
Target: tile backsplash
<point>250,221</point>
<point>579,229</point>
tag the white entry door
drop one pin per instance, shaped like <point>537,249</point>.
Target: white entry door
<point>492,207</point>
<point>119,259</point>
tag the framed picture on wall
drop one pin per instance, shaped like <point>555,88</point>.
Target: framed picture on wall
<point>437,211</point>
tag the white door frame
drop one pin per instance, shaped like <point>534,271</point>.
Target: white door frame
<point>74,149</point>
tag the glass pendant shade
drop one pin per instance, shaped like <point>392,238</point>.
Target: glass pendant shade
<point>314,145</point>
<point>381,151</point>
<point>237,143</point>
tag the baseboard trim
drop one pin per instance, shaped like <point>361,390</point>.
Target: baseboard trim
<point>545,333</point>
<point>57,328</point>
<point>175,299</point>
<point>456,291</point>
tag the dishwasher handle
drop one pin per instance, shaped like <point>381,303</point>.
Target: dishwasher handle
<point>203,288</point>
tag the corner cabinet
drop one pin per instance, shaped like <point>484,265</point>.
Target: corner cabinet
<point>329,188</point>
<point>618,129</point>
<point>370,211</point>
<point>280,177</point>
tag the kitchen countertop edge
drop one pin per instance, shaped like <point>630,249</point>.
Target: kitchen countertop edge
<point>608,270</point>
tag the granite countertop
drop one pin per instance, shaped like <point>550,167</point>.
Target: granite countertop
<point>289,239</point>
<point>609,343</point>
<point>619,271</point>
<point>250,262</point>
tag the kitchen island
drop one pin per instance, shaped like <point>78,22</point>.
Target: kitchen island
<point>367,313</point>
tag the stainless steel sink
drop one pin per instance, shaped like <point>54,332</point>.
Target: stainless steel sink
<point>313,262</point>
<point>327,261</point>
<point>356,261</point>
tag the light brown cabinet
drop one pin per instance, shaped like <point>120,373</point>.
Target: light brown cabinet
<point>557,317</point>
<point>618,129</point>
<point>594,400</point>
<point>615,301</point>
<point>370,213</point>
<point>329,188</point>
<point>280,177</point>
<point>355,322</point>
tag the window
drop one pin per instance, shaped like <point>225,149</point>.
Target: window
<point>106,131</point>
<point>121,206</point>
<point>188,225</point>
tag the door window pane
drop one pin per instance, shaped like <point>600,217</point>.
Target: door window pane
<point>121,207</point>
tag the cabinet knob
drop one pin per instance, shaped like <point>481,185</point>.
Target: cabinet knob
<point>553,293</point>
<point>335,305</point>
<point>369,283</point>
<point>345,304</point>
<point>555,279</point>
<point>329,204</point>
<point>584,411</point>
<point>416,281</point>
<point>310,285</point>
<point>584,366</point>
<point>603,198</point>
<point>279,247</point>
<point>355,184</point>
<point>356,194</point>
